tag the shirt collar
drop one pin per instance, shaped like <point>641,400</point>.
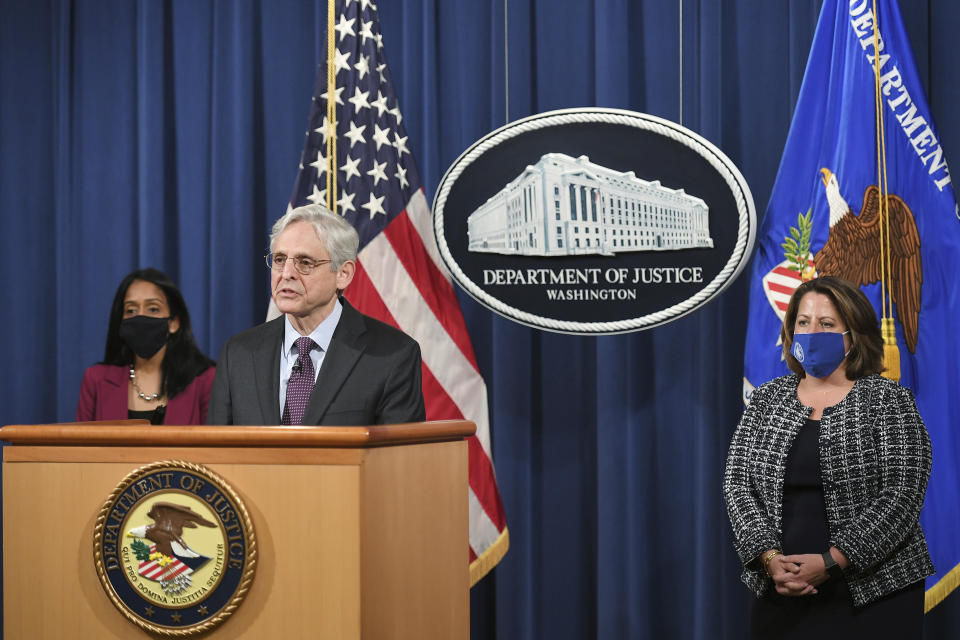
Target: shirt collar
<point>321,335</point>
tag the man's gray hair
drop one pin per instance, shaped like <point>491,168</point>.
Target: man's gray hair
<point>338,235</point>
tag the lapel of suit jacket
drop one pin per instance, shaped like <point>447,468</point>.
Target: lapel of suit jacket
<point>266,371</point>
<point>113,404</point>
<point>346,347</point>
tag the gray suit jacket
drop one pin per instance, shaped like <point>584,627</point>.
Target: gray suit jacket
<point>370,375</point>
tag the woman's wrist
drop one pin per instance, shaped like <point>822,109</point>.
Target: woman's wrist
<point>767,556</point>
<point>839,557</point>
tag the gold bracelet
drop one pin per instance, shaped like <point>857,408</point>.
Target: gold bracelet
<point>768,557</point>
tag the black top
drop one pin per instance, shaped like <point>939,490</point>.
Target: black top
<point>805,527</point>
<point>155,416</point>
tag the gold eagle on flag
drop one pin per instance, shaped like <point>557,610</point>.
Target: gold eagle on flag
<point>852,250</point>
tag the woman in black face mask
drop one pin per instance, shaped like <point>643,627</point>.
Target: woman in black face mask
<point>152,367</point>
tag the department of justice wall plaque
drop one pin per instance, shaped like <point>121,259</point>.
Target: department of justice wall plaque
<point>593,221</point>
<point>175,548</point>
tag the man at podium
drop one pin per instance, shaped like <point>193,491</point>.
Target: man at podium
<point>322,362</point>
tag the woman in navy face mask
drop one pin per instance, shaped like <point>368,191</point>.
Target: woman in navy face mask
<point>825,479</point>
<point>152,367</point>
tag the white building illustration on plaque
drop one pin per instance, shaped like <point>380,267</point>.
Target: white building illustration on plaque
<point>571,206</point>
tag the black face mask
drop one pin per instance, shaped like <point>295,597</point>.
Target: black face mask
<point>145,335</point>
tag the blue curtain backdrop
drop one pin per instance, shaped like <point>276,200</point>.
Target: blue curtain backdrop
<point>168,134</point>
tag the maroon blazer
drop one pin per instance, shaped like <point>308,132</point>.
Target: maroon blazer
<point>103,396</point>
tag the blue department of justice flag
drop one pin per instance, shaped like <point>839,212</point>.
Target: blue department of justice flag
<point>821,220</point>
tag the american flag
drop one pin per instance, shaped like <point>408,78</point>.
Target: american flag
<point>400,278</point>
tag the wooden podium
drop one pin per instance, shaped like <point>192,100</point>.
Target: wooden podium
<point>361,532</point>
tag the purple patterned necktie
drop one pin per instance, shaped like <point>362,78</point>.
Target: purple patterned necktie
<point>300,384</point>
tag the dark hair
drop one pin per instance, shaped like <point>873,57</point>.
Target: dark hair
<point>866,342</point>
<point>183,360</point>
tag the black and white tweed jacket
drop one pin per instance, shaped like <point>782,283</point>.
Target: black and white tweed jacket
<point>875,459</point>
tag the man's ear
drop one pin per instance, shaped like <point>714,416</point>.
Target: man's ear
<point>345,274</point>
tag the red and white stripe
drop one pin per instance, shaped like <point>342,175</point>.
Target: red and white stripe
<point>779,284</point>
<point>401,280</point>
<point>152,570</point>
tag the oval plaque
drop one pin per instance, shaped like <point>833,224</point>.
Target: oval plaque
<point>593,221</point>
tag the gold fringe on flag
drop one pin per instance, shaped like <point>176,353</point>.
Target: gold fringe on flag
<point>942,589</point>
<point>490,557</point>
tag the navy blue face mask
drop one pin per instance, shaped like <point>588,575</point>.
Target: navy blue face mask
<point>819,353</point>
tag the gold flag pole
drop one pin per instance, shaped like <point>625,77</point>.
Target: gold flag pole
<point>891,352</point>
<point>331,147</point>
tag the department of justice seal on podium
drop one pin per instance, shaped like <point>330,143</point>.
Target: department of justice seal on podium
<point>175,548</point>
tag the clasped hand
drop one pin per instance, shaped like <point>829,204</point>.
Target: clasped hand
<point>797,575</point>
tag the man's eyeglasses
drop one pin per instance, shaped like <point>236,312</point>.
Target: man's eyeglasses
<point>304,266</point>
